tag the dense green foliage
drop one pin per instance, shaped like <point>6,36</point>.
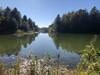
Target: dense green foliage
<point>80,21</point>
<point>90,63</point>
<point>11,20</point>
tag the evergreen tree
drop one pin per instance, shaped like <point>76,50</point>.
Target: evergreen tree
<point>80,21</point>
<point>16,14</point>
<point>11,20</point>
<point>7,12</point>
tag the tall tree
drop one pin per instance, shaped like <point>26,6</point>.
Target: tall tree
<point>57,23</point>
<point>7,12</point>
<point>80,21</point>
<point>95,19</point>
<point>8,25</point>
<point>24,26</point>
<point>16,14</point>
<point>24,18</point>
<point>30,24</point>
<point>11,20</point>
<point>1,11</point>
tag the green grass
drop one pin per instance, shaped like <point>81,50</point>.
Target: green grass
<point>21,33</point>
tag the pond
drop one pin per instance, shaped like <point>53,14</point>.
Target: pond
<point>67,46</point>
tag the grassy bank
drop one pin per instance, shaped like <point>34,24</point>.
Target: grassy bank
<point>21,33</point>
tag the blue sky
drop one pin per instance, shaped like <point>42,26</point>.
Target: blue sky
<point>43,12</point>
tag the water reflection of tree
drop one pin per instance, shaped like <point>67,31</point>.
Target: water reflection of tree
<point>27,39</point>
<point>56,41</point>
<point>12,44</point>
<point>72,42</point>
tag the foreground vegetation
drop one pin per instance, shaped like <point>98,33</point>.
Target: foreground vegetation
<point>11,20</point>
<point>90,63</point>
<point>80,21</point>
<point>35,66</point>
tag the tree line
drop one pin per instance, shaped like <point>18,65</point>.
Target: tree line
<point>11,20</point>
<point>81,21</point>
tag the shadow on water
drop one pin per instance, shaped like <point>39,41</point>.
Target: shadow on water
<point>11,45</point>
<point>73,42</point>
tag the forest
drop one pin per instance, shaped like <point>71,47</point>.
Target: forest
<point>11,20</point>
<point>81,21</point>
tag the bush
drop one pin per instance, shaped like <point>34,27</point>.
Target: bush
<point>90,63</point>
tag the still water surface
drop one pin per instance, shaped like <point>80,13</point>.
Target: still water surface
<point>42,45</point>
